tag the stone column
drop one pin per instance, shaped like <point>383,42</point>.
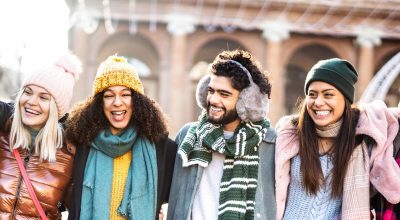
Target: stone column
<point>83,87</point>
<point>164,83</point>
<point>366,40</point>
<point>179,84</point>
<point>274,33</point>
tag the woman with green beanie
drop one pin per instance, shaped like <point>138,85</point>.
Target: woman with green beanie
<point>324,165</point>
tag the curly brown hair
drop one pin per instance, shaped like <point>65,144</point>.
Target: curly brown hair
<point>87,119</point>
<point>233,71</point>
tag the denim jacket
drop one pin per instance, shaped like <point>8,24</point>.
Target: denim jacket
<point>186,180</point>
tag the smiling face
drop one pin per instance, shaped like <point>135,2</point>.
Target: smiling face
<point>325,103</point>
<point>34,105</point>
<point>117,107</point>
<point>221,103</point>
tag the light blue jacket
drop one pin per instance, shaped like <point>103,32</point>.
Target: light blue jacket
<point>186,180</point>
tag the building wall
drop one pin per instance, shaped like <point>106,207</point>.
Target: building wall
<point>171,56</point>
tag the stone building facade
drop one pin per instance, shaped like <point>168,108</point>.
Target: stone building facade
<point>172,42</point>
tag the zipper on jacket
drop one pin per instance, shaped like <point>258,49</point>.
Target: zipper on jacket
<point>26,160</point>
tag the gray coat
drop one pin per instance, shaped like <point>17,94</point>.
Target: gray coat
<point>186,180</point>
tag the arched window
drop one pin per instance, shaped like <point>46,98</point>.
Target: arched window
<point>142,68</point>
<point>141,53</point>
<point>296,71</point>
<point>205,56</point>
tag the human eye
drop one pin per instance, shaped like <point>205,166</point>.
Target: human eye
<point>225,94</point>
<point>27,91</point>
<point>311,94</point>
<point>210,91</point>
<point>108,95</point>
<point>45,97</point>
<point>127,94</point>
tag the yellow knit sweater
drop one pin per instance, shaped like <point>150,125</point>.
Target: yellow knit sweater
<point>121,168</point>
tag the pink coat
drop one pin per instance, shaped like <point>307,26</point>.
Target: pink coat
<point>376,121</point>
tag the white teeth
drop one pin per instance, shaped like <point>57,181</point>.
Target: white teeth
<point>322,113</point>
<point>118,113</point>
<point>32,111</point>
<point>215,108</point>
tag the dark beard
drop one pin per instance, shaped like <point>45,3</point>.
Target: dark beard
<point>227,117</point>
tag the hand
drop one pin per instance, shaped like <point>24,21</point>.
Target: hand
<point>161,214</point>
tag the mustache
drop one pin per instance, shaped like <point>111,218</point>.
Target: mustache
<point>210,105</point>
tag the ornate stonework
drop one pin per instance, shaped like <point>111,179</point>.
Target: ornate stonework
<point>287,37</point>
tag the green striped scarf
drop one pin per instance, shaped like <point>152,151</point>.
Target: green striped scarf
<point>239,179</point>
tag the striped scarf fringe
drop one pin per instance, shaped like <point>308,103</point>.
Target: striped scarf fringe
<point>239,179</point>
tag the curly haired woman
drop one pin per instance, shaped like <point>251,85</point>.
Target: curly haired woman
<point>124,160</point>
<point>33,128</point>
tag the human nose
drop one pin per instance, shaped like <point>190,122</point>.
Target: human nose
<point>318,101</point>
<point>32,100</point>
<point>213,98</point>
<point>117,100</point>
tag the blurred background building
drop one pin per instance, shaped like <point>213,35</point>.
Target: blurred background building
<point>171,42</point>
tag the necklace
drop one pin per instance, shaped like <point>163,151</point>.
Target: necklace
<point>325,145</point>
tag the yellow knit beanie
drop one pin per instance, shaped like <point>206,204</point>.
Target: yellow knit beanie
<point>116,71</point>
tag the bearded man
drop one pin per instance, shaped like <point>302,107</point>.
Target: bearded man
<point>225,163</point>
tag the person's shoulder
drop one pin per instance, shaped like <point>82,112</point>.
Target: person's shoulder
<point>169,144</point>
<point>183,131</point>
<point>377,111</point>
<point>270,136</point>
<point>286,124</point>
<point>377,106</point>
<point>186,127</point>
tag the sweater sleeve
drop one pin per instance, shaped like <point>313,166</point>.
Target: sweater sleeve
<point>166,151</point>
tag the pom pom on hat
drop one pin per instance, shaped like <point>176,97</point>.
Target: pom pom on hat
<point>70,63</point>
<point>58,79</point>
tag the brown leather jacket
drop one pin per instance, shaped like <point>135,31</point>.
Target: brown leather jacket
<point>50,181</point>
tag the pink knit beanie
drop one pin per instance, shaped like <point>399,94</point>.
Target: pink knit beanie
<point>58,79</point>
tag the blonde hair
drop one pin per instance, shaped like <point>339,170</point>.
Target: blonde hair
<point>49,138</point>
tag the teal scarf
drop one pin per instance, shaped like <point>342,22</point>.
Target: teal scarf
<point>140,195</point>
<point>239,178</point>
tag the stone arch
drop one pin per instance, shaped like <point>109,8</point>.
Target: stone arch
<point>247,41</point>
<point>137,48</point>
<point>202,58</point>
<point>386,83</point>
<point>342,48</point>
<point>384,52</point>
<point>211,48</point>
<point>296,70</point>
<point>384,58</point>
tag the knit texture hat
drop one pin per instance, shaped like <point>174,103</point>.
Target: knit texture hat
<point>58,79</point>
<point>337,72</point>
<point>116,71</point>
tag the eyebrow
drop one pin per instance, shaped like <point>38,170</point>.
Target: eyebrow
<point>325,90</point>
<point>40,93</point>
<point>220,90</point>
<point>122,90</point>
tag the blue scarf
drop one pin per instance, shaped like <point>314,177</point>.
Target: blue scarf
<point>140,195</point>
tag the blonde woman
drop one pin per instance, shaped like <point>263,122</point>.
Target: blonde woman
<point>32,127</point>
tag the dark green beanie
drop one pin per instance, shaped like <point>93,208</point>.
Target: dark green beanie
<point>337,72</point>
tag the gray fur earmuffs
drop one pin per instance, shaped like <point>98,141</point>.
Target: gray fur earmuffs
<point>252,105</point>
